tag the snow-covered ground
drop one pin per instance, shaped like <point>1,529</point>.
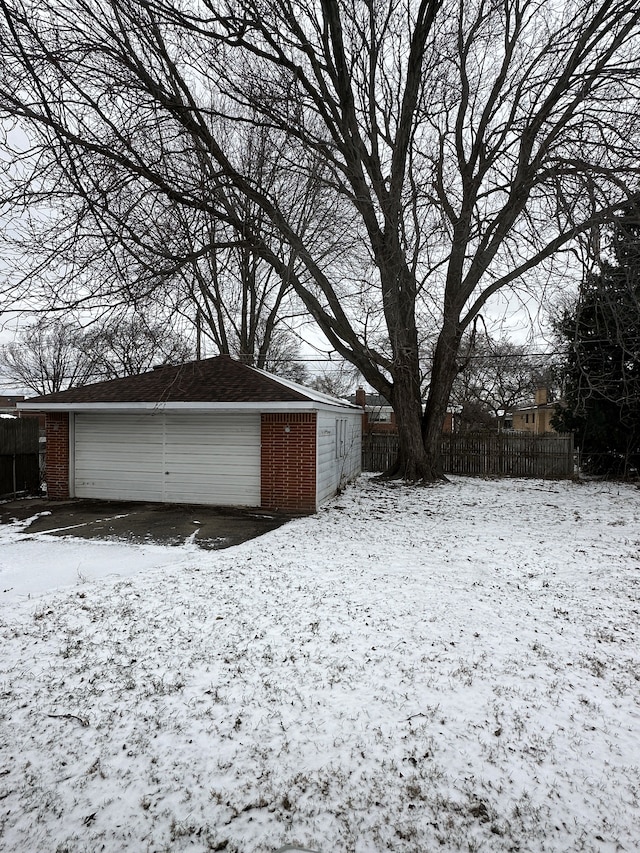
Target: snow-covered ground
<point>442,669</point>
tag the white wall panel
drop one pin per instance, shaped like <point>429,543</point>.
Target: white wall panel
<point>335,470</point>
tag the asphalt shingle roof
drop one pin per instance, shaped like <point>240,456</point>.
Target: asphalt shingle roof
<point>219,379</point>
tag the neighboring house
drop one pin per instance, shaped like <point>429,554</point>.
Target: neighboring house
<point>208,432</point>
<point>9,409</point>
<point>378,416</point>
<point>8,404</point>
<point>536,418</point>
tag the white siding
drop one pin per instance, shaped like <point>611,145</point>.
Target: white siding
<point>177,458</point>
<point>339,451</point>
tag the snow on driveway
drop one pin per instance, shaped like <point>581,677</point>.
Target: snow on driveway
<point>450,668</point>
<point>31,566</point>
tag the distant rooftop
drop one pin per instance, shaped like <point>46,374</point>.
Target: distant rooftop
<point>9,401</point>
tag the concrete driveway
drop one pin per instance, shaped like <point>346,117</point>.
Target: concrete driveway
<point>124,521</point>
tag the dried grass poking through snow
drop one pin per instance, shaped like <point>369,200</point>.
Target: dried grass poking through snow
<point>452,669</point>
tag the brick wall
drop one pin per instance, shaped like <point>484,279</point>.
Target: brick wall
<point>288,462</point>
<point>57,466</point>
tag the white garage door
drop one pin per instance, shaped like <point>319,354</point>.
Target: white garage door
<point>176,458</point>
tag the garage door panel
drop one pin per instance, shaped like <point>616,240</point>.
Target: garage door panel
<point>116,481</point>
<point>120,469</point>
<point>220,465</point>
<point>118,457</point>
<point>195,495</point>
<point>198,458</point>
<point>114,432</point>
<point>112,492</point>
<point>190,439</point>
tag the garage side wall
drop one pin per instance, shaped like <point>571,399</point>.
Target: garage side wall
<point>339,451</point>
<point>288,461</point>
<point>57,458</point>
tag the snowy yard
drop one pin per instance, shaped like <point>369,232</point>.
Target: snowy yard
<point>445,669</point>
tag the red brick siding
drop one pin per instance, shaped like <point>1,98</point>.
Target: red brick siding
<point>57,466</point>
<point>288,462</point>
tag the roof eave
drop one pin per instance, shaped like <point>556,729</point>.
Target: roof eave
<point>267,407</point>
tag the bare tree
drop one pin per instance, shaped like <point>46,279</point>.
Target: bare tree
<point>495,377</point>
<point>337,378</point>
<point>284,357</point>
<point>206,270</point>
<point>47,358</point>
<point>129,345</point>
<point>53,355</point>
<point>146,252</point>
<point>470,143</point>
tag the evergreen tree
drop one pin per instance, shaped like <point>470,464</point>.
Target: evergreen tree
<point>602,330</point>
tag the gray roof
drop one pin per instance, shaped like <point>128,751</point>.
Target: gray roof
<point>211,380</point>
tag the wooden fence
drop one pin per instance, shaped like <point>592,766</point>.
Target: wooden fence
<point>485,454</point>
<point>19,456</point>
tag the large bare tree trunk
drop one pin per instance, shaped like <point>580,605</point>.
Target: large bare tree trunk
<point>399,302</point>
<point>411,464</point>
<point>443,374</point>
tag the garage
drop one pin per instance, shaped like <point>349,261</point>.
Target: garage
<point>202,458</point>
<point>213,431</point>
